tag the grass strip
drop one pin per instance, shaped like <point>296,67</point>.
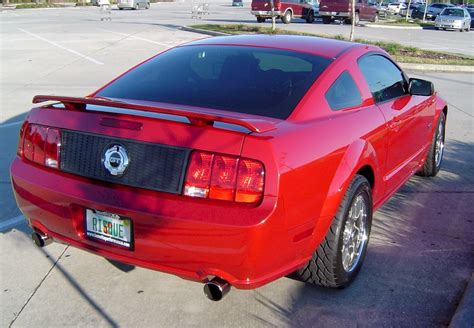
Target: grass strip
<point>401,53</point>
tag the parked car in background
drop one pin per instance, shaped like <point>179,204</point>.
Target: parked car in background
<point>411,8</point>
<point>396,7</point>
<point>232,161</point>
<point>471,13</point>
<point>133,4</point>
<point>284,9</point>
<point>237,3</point>
<point>432,11</point>
<point>329,10</point>
<point>454,18</point>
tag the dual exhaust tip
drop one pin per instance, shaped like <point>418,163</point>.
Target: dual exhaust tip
<point>41,240</point>
<point>215,289</point>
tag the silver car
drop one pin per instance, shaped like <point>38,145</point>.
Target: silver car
<point>454,18</point>
<point>133,4</point>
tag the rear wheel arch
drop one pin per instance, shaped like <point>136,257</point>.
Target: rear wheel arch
<point>359,159</point>
<point>368,172</point>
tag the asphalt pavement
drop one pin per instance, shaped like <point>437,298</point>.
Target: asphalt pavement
<point>421,252</point>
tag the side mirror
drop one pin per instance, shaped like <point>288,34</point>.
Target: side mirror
<point>419,87</point>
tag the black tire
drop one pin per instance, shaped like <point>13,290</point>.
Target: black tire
<point>432,162</point>
<point>120,8</point>
<point>260,19</point>
<point>147,5</point>
<point>357,19</point>
<point>286,18</point>
<point>327,20</point>
<point>376,18</point>
<point>310,17</point>
<point>326,267</point>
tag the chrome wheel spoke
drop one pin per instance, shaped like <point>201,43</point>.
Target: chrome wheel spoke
<point>354,234</point>
<point>439,144</point>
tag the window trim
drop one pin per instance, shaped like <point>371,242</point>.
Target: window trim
<point>378,53</point>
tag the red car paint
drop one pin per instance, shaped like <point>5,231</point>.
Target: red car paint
<point>309,161</point>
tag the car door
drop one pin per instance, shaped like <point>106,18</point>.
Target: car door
<point>408,117</point>
<point>297,7</point>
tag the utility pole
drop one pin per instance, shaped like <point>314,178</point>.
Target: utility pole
<point>408,11</point>
<point>273,16</point>
<point>353,22</point>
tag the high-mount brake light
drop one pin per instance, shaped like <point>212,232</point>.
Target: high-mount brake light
<point>40,144</point>
<point>224,177</point>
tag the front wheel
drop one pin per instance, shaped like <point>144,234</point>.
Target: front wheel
<point>286,18</point>
<point>310,17</point>
<point>434,158</point>
<point>339,257</point>
<point>260,19</point>
<point>376,18</point>
<point>357,19</point>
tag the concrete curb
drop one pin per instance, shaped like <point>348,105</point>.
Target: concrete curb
<point>396,27</point>
<point>407,66</point>
<point>464,315</point>
<point>200,31</point>
<point>437,68</point>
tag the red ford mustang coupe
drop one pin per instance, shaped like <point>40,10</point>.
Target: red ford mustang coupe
<point>231,160</point>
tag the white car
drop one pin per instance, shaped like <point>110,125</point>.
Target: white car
<point>133,4</point>
<point>454,18</point>
<point>395,7</point>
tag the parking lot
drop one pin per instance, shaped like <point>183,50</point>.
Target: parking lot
<point>421,252</point>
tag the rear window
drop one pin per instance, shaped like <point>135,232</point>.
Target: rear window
<point>257,81</point>
<point>453,12</point>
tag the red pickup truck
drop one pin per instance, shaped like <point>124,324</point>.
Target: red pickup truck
<point>341,10</point>
<point>285,9</point>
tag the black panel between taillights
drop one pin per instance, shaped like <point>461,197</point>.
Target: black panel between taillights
<point>151,166</point>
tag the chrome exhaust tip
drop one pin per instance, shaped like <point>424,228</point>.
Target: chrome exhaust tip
<point>41,240</point>
<point>216,289</point>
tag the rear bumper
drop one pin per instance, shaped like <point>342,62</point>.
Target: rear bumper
<point>190,238</point>
<point>334,14</point>
<point>265,14</point>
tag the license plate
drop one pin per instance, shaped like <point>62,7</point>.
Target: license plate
<point>108,227</point>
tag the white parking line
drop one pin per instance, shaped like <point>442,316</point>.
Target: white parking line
<point>137,38</point>
<point>10,223</point>
<point>6,125</point>
<point>62,47</point>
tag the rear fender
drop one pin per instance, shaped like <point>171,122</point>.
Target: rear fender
<point>441,104</point>
<point>359,154</point>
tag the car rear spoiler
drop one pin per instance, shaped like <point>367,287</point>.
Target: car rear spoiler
<point>195,118</point>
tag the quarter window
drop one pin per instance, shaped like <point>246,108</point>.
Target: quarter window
<point>343,93</point>
<point>385,80</point>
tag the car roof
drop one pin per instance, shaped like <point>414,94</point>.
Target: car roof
<point>322,47</point>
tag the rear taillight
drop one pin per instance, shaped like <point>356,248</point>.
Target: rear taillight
<point>224,177</point>
<point>40,144</point>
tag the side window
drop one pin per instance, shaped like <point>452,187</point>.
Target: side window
<point>385,80</point>
<point>343,93</point>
